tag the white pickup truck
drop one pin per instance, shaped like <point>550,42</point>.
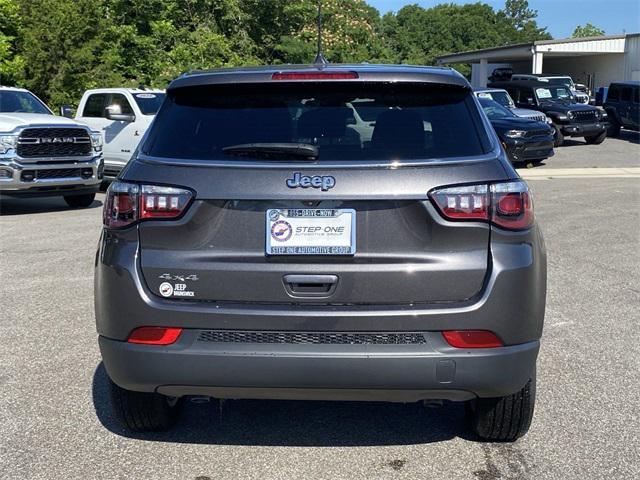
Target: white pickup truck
<point>122,115</point>
<point>45,155</point>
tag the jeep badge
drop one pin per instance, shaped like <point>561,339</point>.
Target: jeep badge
<point>324,183</point>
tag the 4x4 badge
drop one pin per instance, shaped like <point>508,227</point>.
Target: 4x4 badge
<point>179,278</point>
<point>324,182</point>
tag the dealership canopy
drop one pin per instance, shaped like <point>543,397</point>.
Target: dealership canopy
<point>594,61</point>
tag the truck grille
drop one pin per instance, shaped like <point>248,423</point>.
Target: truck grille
<point>53,173</point>
<point>588,116</point>
<point>312,338</point>
<point>54,142</point>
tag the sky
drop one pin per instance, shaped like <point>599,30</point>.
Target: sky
<point>560,16</point>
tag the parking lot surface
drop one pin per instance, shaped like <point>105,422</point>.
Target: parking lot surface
<point>614,152</point>
<point>55,420</point>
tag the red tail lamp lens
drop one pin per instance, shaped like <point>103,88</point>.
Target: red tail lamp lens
<point>512,205</point>
<point>155,335</point>
<point>507,205</point>
<point>472,339</point>
<point>314,76</point>
<point>121,205</point>
<point>163,202</point>
<point>128,203</point>
<point>463,203</point>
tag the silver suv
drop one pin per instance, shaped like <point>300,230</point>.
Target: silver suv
<point>259,246</point>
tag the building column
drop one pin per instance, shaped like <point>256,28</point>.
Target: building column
<point>483,73</point>
<point>536,63</point>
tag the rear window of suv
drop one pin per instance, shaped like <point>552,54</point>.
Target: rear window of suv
<point>342,121</point>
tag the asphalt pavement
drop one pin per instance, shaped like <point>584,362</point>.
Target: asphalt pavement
<point>614,152</point>
<point>54,412</point>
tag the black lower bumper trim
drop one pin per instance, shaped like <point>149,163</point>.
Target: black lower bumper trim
<point>320,372</point>
<point>51,191</point>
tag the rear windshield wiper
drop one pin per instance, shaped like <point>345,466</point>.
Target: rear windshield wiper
<point>279,151</point>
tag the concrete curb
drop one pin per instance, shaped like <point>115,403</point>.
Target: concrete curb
<point>547,173</point>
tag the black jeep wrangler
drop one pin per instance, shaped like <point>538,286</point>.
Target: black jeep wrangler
<point>570,119</point>
<point>623,107</point>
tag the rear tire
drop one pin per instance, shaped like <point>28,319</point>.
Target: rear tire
<point>144,411</point>
<point>504,419</point>
<point>80,201</point>
<point>596,139</point>
<point>558,138</point>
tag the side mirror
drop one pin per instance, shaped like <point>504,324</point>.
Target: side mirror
<point>66,111</point>
<point>114,112</point>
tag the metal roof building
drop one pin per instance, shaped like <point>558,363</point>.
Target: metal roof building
<point>593,61</point>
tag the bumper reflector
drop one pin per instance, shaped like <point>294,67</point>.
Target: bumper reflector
<point>472,339</point>
<point>155,335</point>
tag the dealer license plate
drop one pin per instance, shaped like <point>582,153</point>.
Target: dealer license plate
<point>309,231</point>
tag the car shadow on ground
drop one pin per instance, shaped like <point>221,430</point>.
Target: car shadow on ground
<point>625,135</point>
<point>23,206</point>
<point>570,142</point>
<point>527,165</point>
<point>630,136</point>
<point>296,423</point>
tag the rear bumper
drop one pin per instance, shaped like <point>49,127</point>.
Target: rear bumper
<point>511,304</point>
<point>402,373</point>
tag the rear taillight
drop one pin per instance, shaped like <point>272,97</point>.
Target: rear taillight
<point>128,203</point>
<point>507,205</point>
<point>325,75</point>
<point>472,339</point>
<point>155,335</point>
<point>463,203</point>
<point>511,205</point>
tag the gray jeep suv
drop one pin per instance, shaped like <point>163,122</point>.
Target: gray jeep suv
<point>263,243</point>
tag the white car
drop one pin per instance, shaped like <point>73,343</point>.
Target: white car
<point>123,115</point>
<point>503,98</point>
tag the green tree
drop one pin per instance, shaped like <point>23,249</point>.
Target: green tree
<point>153,41</point>
<point>60,47</point>
<point>523,20</point>
<point>418,35</point>
<point>11,62</point>
<point>588,30</point>
<point>519,13</point>
<point>288,30</point>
